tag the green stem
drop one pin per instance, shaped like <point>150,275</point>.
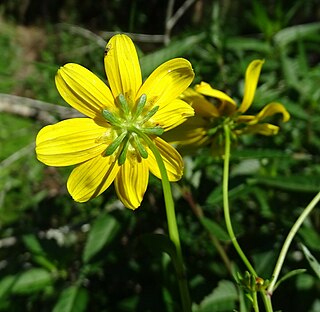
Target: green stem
<point>255,302</point>
<point>288,241</point>
<point>265,297</point>
<point>266,300</point>
<point>172,224</point>
<point>226,210</point>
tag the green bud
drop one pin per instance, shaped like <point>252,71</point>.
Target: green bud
<point>153,131</point>
<point>140,105</point>
<point>111,118</point>
<point>123,154</point>
<point>149,115</point>
<point>123,103</point>
<point>115,144</point>
<point>142,151</point>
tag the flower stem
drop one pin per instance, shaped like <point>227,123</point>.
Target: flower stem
<point>226,210</point>
<point>172,225</point>
<point>288,241</point>
<point>255,302</point>
<point>225,189</point>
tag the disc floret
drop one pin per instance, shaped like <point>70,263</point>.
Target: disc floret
<point>130,127</point>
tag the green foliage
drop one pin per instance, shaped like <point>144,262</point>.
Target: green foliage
<point>57,255</point>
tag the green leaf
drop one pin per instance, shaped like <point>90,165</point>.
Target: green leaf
<point>174,49</point>
<point>312,260</point>
<point>293,33</point>
<point>39,255</point>
<point>215,229</point>
<point>254,153</point>
<point>288,275</point>
<point>310,236</point>
<point>33,280</point>
<point>103,231</point>
<point>6,284</point>
<point>291,183</point>
<point>247,44</point>
<point>222,298</point>
<point>72,299</point>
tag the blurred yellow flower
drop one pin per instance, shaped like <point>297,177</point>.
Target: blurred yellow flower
<point>206,127</point>
<point>109,144</point>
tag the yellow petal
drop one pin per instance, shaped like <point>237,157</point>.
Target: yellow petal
<point>272,109</point>
<point>205,89</point>
<point>122,67</point>
<point>192,132</point>
<point>172,114</point>
<point>199,103</point>
<point>264,129</point>
<point>167,82</point>
<point>70,142</point>
<point>246,118</point>
<point>89,179</point>
<point>132,181</point>
<point>83,90</point>
<point>251,81</point>
<point>171,158</point>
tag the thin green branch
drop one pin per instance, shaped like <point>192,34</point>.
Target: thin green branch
<point>225,190</point>
<point>288,241</point>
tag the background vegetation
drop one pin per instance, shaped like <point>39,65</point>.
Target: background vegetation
<point>57,255</point>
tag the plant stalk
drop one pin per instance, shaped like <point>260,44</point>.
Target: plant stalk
<point>172,225</point>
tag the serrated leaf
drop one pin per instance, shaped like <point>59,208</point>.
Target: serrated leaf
<point>33,280</point>
<point>312,260</point>
<point>102,233</point>
<point>222,298</point>
<point>215,229</point>
<point>72,299</point>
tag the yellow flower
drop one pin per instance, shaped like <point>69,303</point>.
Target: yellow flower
<point>206,127</point>
<point>108,145</point>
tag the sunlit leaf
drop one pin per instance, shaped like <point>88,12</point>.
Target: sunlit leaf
<point>30,281</point>
<point>72,299</point>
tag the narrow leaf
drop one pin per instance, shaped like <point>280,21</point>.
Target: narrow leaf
<point>312,260</point>
<point>215,229</point>
<point>288,275</point>
<point>293,33</point>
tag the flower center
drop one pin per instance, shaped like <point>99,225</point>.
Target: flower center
<point>129,126</point>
